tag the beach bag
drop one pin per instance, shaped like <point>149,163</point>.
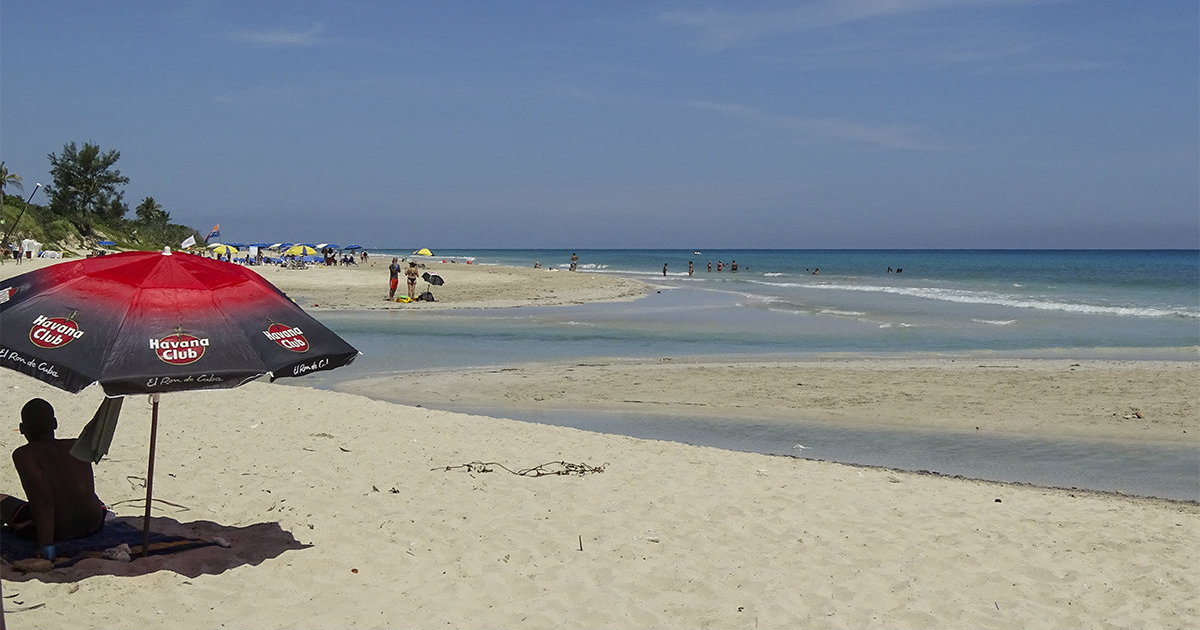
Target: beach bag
<point>426,297</point>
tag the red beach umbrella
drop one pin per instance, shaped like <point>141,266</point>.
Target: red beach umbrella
<point>151,323</point>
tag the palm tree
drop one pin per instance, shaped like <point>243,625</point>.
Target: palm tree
<point>9,179</point>
<point>150,211</point>
<point>14,180</point>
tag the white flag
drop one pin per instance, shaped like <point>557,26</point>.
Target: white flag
<point>188,242</point>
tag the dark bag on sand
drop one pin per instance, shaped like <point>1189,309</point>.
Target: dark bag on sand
<point>426,297</point>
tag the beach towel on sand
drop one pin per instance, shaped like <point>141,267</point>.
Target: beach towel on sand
<point>113,534</point>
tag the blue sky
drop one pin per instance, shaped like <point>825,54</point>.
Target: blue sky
<point>806,124</point>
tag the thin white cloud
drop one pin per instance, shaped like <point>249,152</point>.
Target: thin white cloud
<point>280,37</point>
<point>723,29</point>
<point>886,137</point>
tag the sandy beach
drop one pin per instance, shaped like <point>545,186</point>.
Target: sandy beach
<point>1124,400</point>
<point>365,286</point>
<point>347,511</point>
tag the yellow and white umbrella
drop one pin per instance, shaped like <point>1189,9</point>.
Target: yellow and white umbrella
<point>300,250</point>
<point>225,250</point>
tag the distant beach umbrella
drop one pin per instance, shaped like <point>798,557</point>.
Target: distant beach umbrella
<point>106,243</point>
<point>424,251</point>
<point>353,247</point>
<point>223,249</point>
<point>300,250</point>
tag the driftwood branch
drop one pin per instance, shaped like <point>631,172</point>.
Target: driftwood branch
<point>543,470</point>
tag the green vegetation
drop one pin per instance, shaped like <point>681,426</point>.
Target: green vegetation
<point>86,205</point>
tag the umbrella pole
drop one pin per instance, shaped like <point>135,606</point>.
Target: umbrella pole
<point>150,473</point>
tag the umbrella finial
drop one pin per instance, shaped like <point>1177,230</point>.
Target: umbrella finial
<point>167,250</point>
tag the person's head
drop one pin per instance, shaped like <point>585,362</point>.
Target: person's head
<point>394,259</point>
<point>37,420</point>
<point>412,264</point>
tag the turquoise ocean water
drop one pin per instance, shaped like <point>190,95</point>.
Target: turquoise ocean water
<point>1055,304</point>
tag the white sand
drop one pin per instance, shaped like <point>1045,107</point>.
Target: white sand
<point>341,512</point>
<point>365,286</point>
<point>466,286</point>
<point>1127,400</point>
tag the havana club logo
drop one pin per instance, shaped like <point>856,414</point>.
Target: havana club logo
<point>54,332</point>
<point>179,348</point>
<point>289,337</point>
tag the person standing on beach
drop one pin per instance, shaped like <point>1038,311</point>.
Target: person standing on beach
<point>394,278</point>
<point>574,261</point>
<point>61,489</point>
<point>411,275</point>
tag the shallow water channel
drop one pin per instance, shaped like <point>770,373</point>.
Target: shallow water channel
<point>1155,469</point>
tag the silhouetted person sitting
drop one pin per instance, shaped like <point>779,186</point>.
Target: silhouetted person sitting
<point>61,489</point>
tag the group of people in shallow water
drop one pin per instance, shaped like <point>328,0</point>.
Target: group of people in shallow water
<point>733,266</point>
<point>721,266</point>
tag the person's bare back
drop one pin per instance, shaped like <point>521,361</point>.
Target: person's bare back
<point>61,489</point>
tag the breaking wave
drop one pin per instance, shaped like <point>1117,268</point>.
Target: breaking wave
<point>963,296</point>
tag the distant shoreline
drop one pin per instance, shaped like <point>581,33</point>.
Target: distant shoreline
<point>365,286</point>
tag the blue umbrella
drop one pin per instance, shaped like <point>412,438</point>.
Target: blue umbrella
<point>237,245</point>
<point>353,247</point>
<point>106,243</point>
<point>260,244</point>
